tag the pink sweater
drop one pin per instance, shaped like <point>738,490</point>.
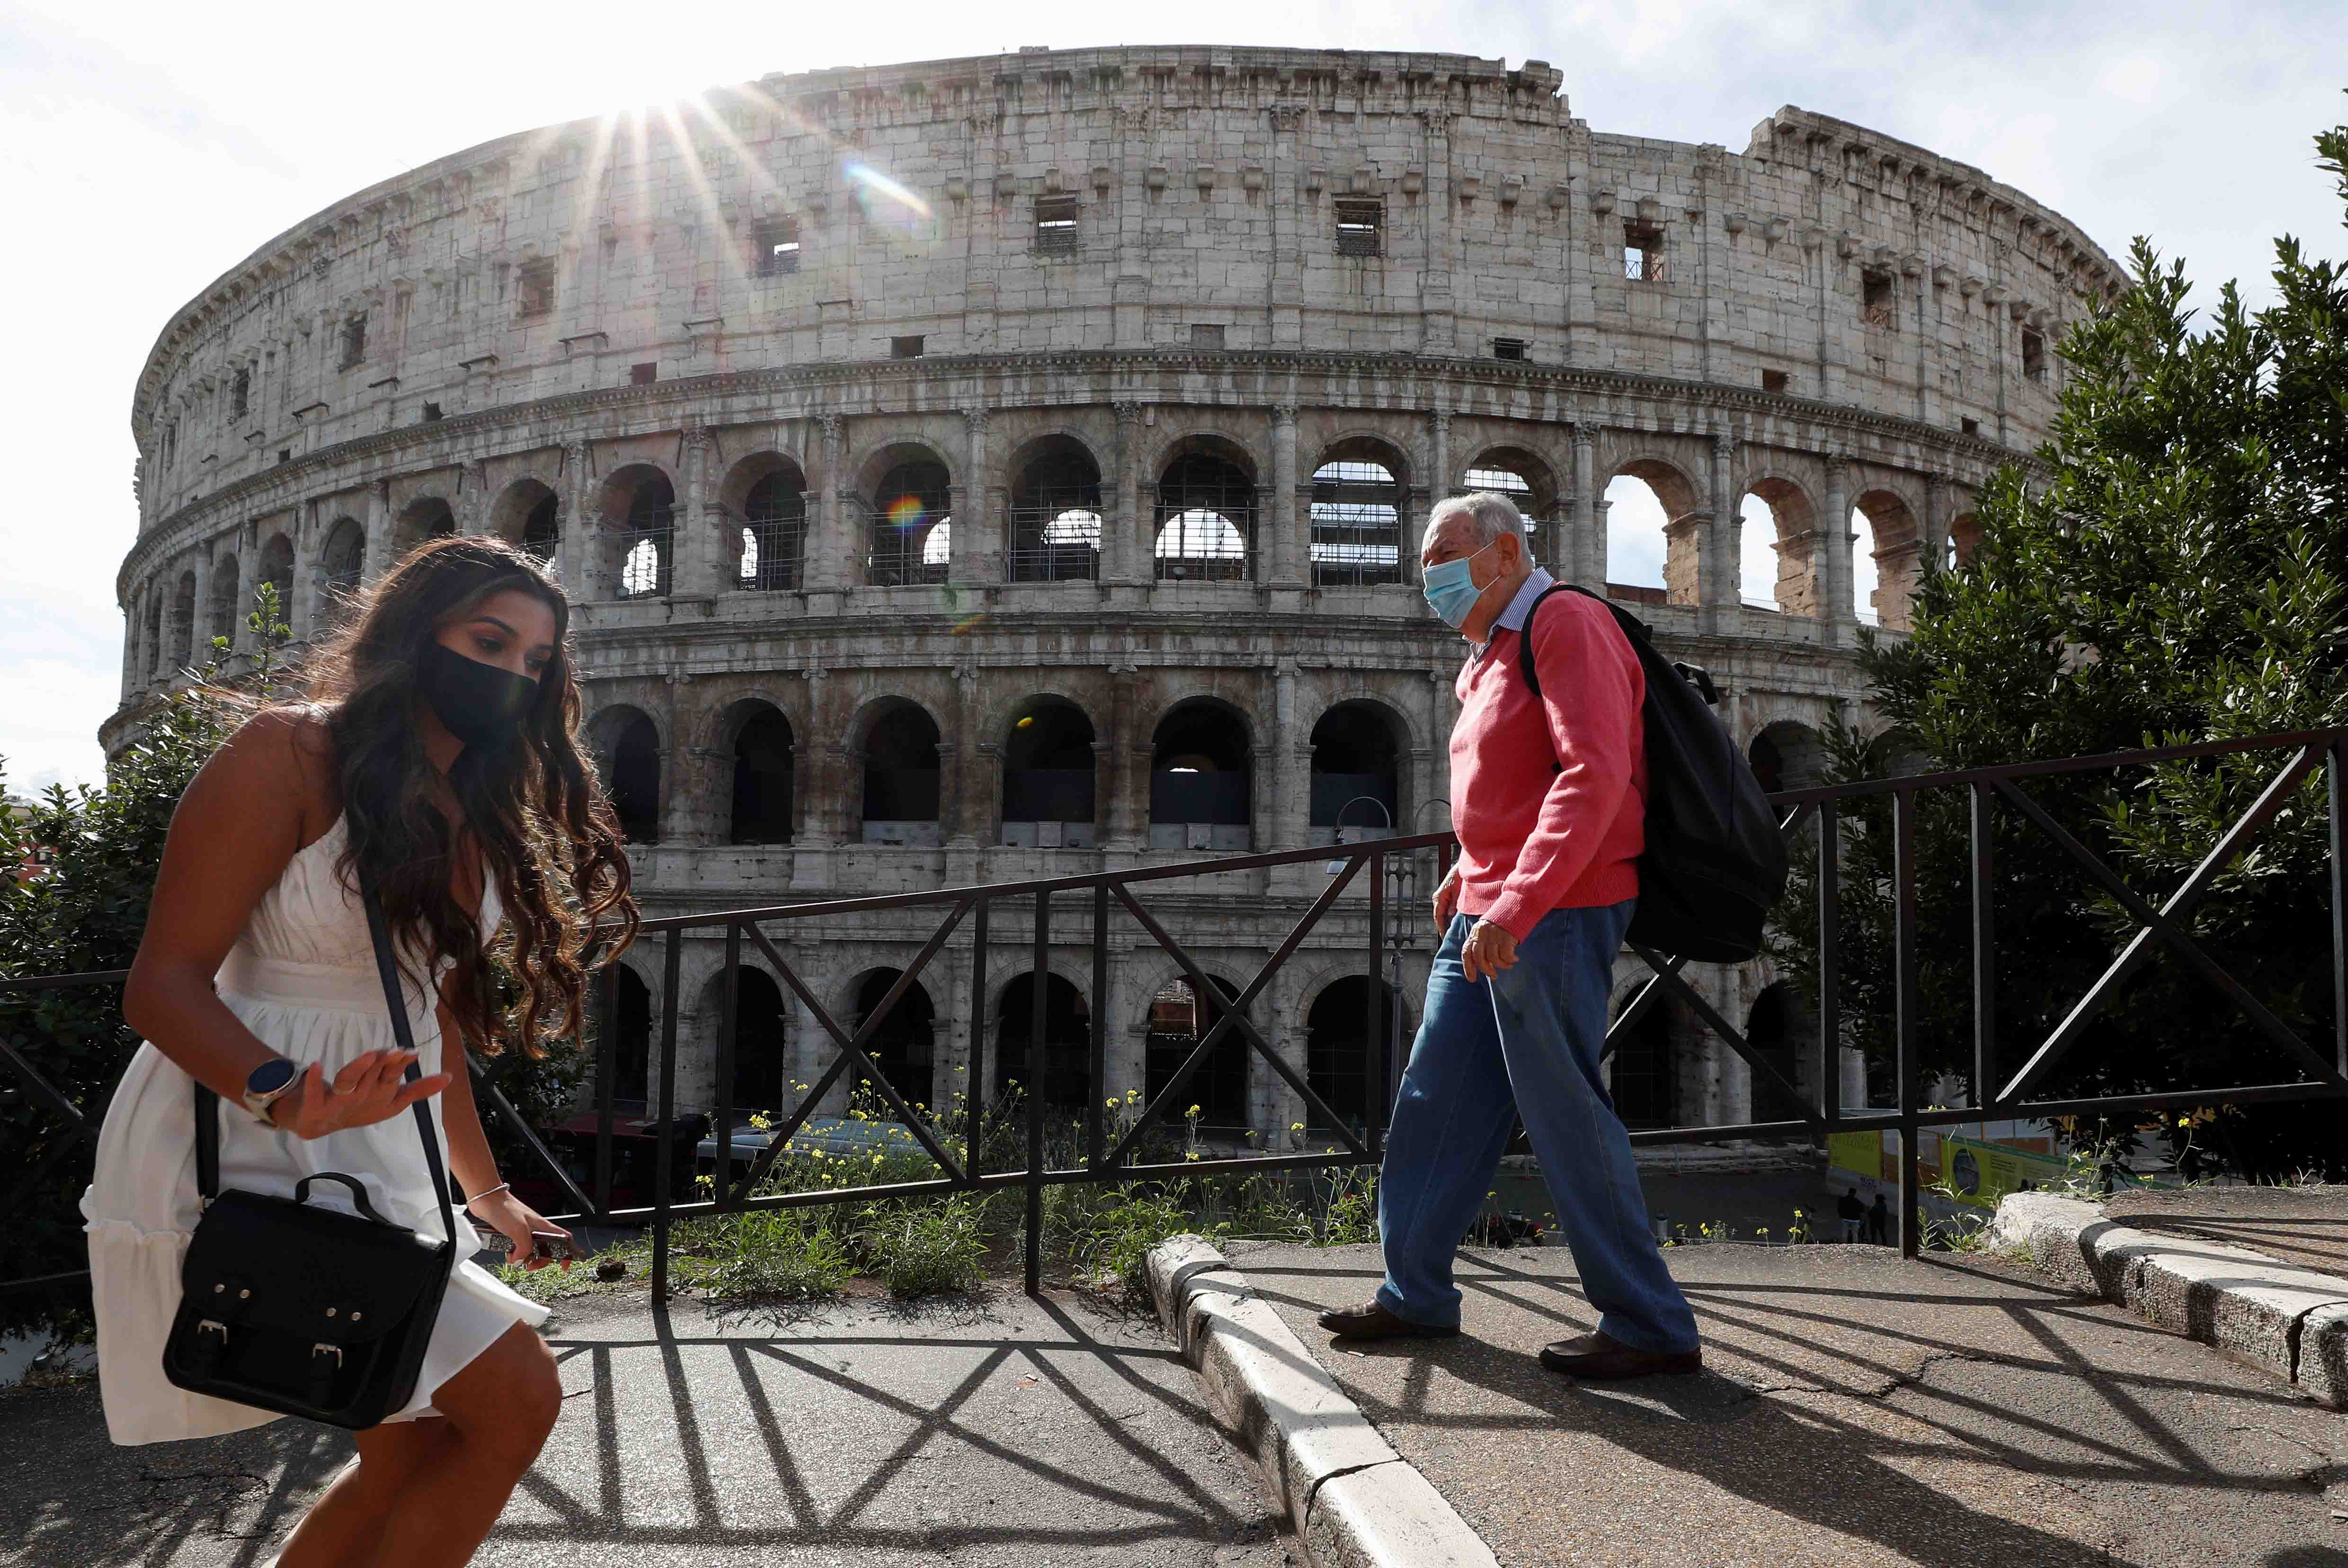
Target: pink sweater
<point>1533,838</point>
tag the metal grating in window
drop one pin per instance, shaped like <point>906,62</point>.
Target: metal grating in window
<point>1056,226</point>
<point>774,534</point>
<point>1361,228</point>
<point>1357,523</point>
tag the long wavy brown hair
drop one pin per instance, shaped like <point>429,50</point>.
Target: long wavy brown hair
<point>537,807</point>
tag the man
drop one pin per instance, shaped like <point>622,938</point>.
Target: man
<point>1549,801</point>
<point>1852,1212</point>
<point>1878,1222</point>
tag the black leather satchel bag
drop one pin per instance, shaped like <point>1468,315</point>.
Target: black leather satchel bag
<point>305,1310</point>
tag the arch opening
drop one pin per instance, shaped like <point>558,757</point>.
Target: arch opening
<point>1640,1076</point>
<point>183,622</point>
<point>627,751</point>
<point>1777,571</point>
<point>1355,781</point>
<point>423,519</point>
<point>1048,781</point>
<point>1788,755</point>
<point>631,1023</point>
<point>1340,1040</point>
<point>1178,1019</point>
<point>1965,539</point>
<point>1771,1028</point>
<point>912,526</point>
<point>1357,499</point>
<point>1206,516</point>
<point>1055,514</point>
<point>1066,1074</point>
<point>774,532</point>
<point>901,778</point>
<point>904,1046</point>
<point>340,564</point>
<point>764,766</point>
<point>1885,559</point>
<point>1201,783</point>
<point>223,617</point>
<point>1652,526</point>
<point>529,515</point>
<point>641,506</point>
<point>761,1028</point>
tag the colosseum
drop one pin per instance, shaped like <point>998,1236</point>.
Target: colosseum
<point>991,469</point>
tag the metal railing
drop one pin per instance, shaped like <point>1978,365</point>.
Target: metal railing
<point>1112,897</point>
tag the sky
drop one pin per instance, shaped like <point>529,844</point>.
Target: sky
<point>144,150</point>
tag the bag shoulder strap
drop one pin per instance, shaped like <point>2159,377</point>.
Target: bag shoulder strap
<point>1525,637</point>
<point>207,1103</point>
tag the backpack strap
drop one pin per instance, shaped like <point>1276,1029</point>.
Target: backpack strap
<point>1525,637</point>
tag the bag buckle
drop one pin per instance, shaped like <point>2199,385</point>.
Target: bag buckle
<point>322,1348</point>
<point>215,1325</point>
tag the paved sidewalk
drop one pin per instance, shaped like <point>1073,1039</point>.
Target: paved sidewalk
<point>1005,1432</point>
<point>2304,1226</point>
<point>1854,1409</point>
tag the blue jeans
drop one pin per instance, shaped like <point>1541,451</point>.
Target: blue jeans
<point>1525,1042</point>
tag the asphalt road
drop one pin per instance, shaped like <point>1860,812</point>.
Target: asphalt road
<point>1002,1433</point>
<point>1854,1409</point>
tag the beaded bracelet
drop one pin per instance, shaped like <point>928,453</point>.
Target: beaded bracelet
<point>492,1192</point>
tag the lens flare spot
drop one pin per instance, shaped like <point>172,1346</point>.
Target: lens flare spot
<point>905,512</point>
<point>968,623</point>
<point>886,201</point>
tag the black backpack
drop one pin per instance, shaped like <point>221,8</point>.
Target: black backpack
<point>1714,864</point>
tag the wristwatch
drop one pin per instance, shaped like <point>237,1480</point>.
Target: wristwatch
<point>265,1083</point>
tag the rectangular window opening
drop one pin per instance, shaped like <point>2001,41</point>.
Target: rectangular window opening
<point>1775,381</point>
<point>1877,307</point>
<point>431,412</point>
<point>284,454</point>
<point>1055,224</point>
<point>1642,253</point>
<point>353,341</point>
<point>536,286</point>
<point>1361,228</point>
<point>2033,355</point>
<point>239,396</point>
<point>777,247</point>
<point>643,375</point>
<point>905,347</point>
<point>1508,349</point>
<point>1969,426</point>
<point>1206,335</point>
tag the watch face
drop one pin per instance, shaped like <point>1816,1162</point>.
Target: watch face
<point>271,1075</point>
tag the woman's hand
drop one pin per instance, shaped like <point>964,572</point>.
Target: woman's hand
<point>1447,901</point>
<point>515,1220</point>
<point>369,1089</point>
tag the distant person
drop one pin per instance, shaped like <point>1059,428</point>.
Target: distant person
<point>1549,799</point>
<point>1853,1213</point>
<point>1878,1222</point>
<point>442,757</point>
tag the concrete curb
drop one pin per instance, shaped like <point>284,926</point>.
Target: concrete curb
<point>2293,1322</point>
<point>1352,1500</point>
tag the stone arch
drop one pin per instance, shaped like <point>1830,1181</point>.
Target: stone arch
<point>1361,485</point>
<point>762,1036</point>
<point>1642,1069</point>
<point>764,500</point>
<point>1173,1021</point>
<point>636,507</point>
<point>755,792</point>
<point>1341,1045</point>
<point>183,621</point>
<point>1201,777</point>
<point>906,490</point>
<point>626,745</point>
<point>1889,550</point>
<point>276,569</point>
<point>427,516</point>
<point>1645,495</point>
<point>634,1007</point>
<point>1203,527</point>
<point>1050,782</point>
<point>1057,514</point>
<point>1772,1029</point>
<point>529,514</point>
<point>221,615</point>
<point>1787,754</point>
<point>1531,483</point>
<point>904,1047</point>
<point>154,629</point>
<point>342,562</point>
<point>1360,747</point>
<point>1965,539</point>
<point>897,801</point>
<point>1779,566</point>
<point>1067,1079</point>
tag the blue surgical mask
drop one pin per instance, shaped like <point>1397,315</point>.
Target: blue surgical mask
<point>1451,588</point>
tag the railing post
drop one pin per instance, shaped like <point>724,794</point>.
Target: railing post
<point>1385,1080</point>
<point>606,1059</point>
<point>1039,985</point>
<point>664,1155</point>
<point>2333,786</point>
<point>1904,1027</point>
<point>974,1099</point>
<point>729,1001</point>
<point>1829,976</point>
<point>1985,954</point>
<point>1095,1134</point>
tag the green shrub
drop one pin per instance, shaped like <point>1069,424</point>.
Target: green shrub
<point>766,1254</point>
<point>921,1249</point>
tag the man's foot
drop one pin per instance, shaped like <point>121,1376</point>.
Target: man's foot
<point>1600,1357</point>
<point>1372,1321</point>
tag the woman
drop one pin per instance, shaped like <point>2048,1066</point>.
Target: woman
<point>439,750</point>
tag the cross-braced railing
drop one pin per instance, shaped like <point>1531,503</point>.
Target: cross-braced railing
<point>1113,894</point>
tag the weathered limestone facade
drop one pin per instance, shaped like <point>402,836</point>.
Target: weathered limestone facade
<point>1111,312</point>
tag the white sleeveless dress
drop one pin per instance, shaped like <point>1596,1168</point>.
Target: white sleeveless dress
<point>302,977</point>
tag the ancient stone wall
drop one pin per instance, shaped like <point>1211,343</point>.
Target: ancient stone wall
<point>876,418</point>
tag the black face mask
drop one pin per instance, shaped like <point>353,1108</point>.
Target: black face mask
<point>480,704</point>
